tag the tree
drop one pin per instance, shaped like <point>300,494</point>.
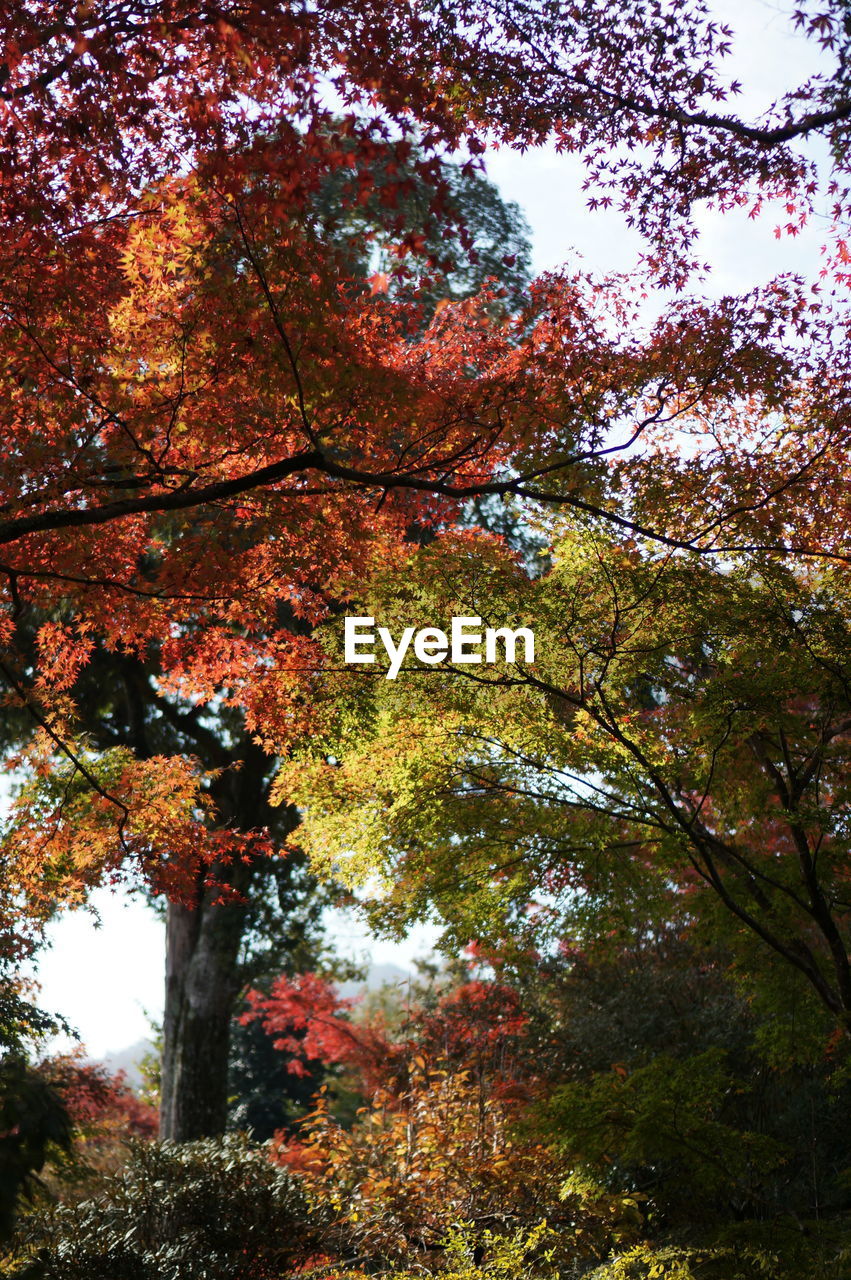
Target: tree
<point>120,704</point>
<point>266,1098</point>
<point>434,1152</point>
<point>215,948</point>
<point>664,1079</point>
<point>119,100</point>
<point>643,93</point>
<point>639,1077</point>
<point>255,911</point>
<point>36,1119</point>
<point>677,752</point>
<point>125,340</point>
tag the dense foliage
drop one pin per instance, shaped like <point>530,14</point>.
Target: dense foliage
<point>678,752</point>
<point>269,355</point>
<point>217,1210</point>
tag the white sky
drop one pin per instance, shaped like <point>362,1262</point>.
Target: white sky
<point>106,977</point>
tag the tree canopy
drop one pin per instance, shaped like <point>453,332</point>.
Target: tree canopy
<point>269,356</point>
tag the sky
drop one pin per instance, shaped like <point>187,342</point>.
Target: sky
<point>104,972</point>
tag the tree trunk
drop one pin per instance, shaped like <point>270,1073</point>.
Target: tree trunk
<point>202,948</point>
<point>204,977</point>
<point>204,973</point>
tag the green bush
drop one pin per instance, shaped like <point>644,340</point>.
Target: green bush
<point>213,1210</point>
<point>780,1256</point>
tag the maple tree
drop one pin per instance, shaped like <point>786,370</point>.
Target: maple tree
<point>167,353</point>
<point>475,1024</point>
<point>677,751</point>
<point>124,221</point>
<point>119,113</point>
<point>237,393</point>
<point>648,96</point>
<point>224,924</point>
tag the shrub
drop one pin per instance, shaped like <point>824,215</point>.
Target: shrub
<point>441,1153</point>
<point>212,1210</point>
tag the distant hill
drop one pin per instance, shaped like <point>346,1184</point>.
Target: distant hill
<point>129,1060</point>
<point>377,975</point>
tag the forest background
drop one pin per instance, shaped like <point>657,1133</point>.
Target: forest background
<point>269,338</point>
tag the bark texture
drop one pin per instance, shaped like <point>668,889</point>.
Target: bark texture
<point>201,986</point>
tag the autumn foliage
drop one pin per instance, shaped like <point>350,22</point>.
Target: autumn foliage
<point>215,428</point>
<point>240,396</point>
<point>99,1101</point>
<point>435,1143</point>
